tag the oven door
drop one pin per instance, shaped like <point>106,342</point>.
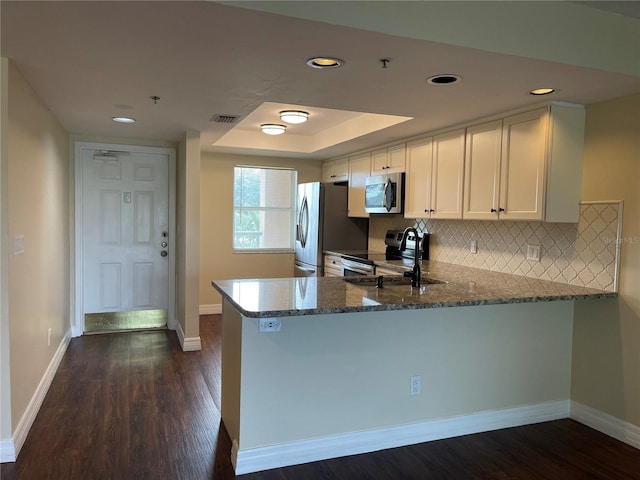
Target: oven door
<point>351,268</point>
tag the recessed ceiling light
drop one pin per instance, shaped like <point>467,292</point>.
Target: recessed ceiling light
<point>542,91</point>
<point>444,79</point>
<point>273,128</point>
<point>325,62</point>
<point>123,119</point>
<point>294,116</point>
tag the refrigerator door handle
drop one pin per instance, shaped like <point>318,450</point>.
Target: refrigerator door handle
<point>303,225</point>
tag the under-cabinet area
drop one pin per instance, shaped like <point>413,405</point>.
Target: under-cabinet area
<point>525,166</point>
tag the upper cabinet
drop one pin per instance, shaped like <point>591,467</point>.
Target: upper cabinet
<point>482,171</point>
<point>417,183</point>
<point>359,170</point>
<point>434,178</point>
<point>522,167</point>
<point>447,175</point>
<point>335,170</point>
<point>388,160</point>
<point>526,167</point>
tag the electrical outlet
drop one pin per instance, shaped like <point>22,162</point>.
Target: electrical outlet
<point>473,246</point>
<point>416,385</point>
<point>533,253</point>
<point>270,324</point>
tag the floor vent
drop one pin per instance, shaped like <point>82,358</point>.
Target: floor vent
<point>225,118</point>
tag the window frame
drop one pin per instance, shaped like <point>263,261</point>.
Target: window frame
<point>292,213</point>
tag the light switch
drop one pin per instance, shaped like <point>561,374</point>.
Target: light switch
<point>18,244</point>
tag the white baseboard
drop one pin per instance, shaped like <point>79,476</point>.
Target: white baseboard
<point>7,451</point>
<point>212,309</point>
<point>22,430</point>
<point>609,425</point>
<point>188,344</point>
<point>263,458</point>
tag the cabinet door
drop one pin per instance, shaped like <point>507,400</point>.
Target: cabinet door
<point>482,171</point>
<point>523,165</point>
<point>396,158</point>
<point>359,166</point>
<point>327,171</point>
<point>447,175</point>
<point>379,162</point>
<point>341,169</point>
<point>388,160</point>
<point>417,194</point>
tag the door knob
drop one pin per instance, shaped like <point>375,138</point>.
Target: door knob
<point>163,253</point>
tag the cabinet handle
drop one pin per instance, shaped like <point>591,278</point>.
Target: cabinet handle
<point>493,210</point>
<point>432,210</point>
<point>501,209</point>
<point>426,211</point>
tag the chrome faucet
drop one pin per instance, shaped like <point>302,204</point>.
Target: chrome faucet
<point>415,273</point>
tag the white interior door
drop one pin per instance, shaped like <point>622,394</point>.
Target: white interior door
<point>126,236</point>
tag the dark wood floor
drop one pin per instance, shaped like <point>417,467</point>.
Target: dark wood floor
<point>134,406</point>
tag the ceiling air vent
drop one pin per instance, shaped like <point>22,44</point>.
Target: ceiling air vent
<point>225,118</point>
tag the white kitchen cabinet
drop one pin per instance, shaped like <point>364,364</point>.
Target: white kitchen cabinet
<point>447,174</point>
<point>336,170</point>
<point>359,170</point>
<point>523,166</point>
<point>434,178</point>
<point>332,266</point>
<point>388,160</point>
<point>417,193</point>
<point>526,166</point>
<point>482,171</point>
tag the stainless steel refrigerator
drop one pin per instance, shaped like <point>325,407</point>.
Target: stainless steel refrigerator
<point>323,224</point>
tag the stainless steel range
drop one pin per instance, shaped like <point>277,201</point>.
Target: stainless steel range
<point>398,248</point>
<point>357,264</point>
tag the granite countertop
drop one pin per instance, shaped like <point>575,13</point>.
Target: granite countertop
<point>465,286</point>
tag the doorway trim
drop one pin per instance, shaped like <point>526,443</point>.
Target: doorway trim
<point>77,317</point>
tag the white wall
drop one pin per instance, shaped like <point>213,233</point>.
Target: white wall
<point>39,279</point>
<point>324,375</point>
<point>217,259</point>
<point>5,370</point>
<point>606,357</point>
<point>188,240</point>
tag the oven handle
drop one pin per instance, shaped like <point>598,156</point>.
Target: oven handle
<point>356,267</point>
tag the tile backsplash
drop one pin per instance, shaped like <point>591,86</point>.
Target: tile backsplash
<point>582,254</point>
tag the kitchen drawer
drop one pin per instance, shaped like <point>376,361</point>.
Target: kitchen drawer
<point>332,272</point>
<point>332,266</point>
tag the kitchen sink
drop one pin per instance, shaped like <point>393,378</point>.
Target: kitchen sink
<point>389,280</point>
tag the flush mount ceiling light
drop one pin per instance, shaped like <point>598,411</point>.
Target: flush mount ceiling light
<point>444,79</point>
<point>542,91</point>
<point>294,116</point>
<point>325,62</point>
<point>123,119</point>
<point>273,128</point>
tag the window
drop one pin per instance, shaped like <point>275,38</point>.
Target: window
<point>264,209</point>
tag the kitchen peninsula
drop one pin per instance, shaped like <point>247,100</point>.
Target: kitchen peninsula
<point>355,368</point>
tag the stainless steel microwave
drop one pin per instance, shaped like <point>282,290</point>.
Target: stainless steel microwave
<point>384,193</point>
